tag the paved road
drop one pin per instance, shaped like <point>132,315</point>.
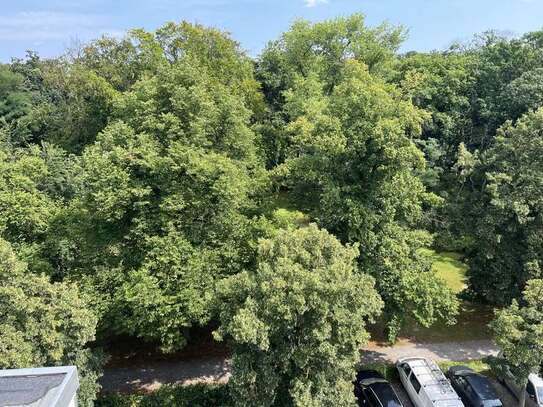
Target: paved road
<point>217,369</point>
<point>455,351</point>
<point>152,375</point>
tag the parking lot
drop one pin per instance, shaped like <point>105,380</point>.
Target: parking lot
<point>505,395</point>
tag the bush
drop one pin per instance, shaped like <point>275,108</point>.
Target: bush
<point>198,395</point>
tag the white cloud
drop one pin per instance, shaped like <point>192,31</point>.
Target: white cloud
<point>47,25</point>
<point>313,3</point>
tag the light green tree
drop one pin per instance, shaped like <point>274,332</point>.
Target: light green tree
<point>45,324</point>
<point>518,331</point>
<point>297,322</point>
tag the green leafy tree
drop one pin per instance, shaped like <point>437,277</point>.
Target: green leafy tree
<point>36,184</point>
<point>296,323</point>
<point>506,212</point>
<point>165,197</point>
<point>45,324</point>
<point>15,99</point>
<point>351,166</point>
<point>66,103</point>
<point>319,50</point>
<point>523,94</point>
<point>123,62</point>
<point>518,330</point>
<point>322,48</point>
<point>502,65</point>
<point>440,83</point>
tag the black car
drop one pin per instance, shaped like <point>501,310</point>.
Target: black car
<point>474,389</point>
<point>372,390</point>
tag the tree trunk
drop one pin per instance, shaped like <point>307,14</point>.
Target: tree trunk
<point>522,397</point>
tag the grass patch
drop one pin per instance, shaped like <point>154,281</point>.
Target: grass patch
<point>471,324</point>
<point>478,366</point>
<point>472,320</point>
<point>449,267</point>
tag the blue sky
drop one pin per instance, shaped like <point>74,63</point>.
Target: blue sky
<point>48,26</point>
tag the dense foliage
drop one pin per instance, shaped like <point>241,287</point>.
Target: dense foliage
<point>197,395</point>
<point>518,331</point>
<point>45,324</point>
<point>508,210</point>
<point>297,322</point>
<point>159,181</point>
<point>350,160</point>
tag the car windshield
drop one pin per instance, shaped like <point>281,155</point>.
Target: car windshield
<point>386,395</point>
<point>540,395</point>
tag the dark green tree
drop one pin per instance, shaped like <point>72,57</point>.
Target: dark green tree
<point>506,212</point>
<point>166,193</point>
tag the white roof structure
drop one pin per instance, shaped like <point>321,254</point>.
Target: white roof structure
<point>434,382</point>
<point>39,387</point>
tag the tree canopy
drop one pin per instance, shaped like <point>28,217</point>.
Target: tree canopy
<point>45,324</point>
<point>518,330</point>
<point>507,214</point>
<point>151,178</point>
<point>297,322</point>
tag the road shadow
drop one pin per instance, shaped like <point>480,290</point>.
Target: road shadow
<point>153,376</point>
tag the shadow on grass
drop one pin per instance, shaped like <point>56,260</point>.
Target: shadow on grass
<point>471,324</point>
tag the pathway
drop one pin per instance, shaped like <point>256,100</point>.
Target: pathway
<point>153,374</point>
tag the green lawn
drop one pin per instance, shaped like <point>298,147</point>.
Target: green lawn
<point>472,320</point>
<point>449,267</point>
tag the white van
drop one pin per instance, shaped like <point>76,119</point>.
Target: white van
<point>426,384</point>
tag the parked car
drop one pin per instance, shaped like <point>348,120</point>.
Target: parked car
<point>372,390</point>
<point>474,389</point>
<point>426,384</point>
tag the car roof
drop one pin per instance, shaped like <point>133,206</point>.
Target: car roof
<point>435,384</point>
<point>482,386</point>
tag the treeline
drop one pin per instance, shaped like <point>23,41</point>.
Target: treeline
<point>167,180</point>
